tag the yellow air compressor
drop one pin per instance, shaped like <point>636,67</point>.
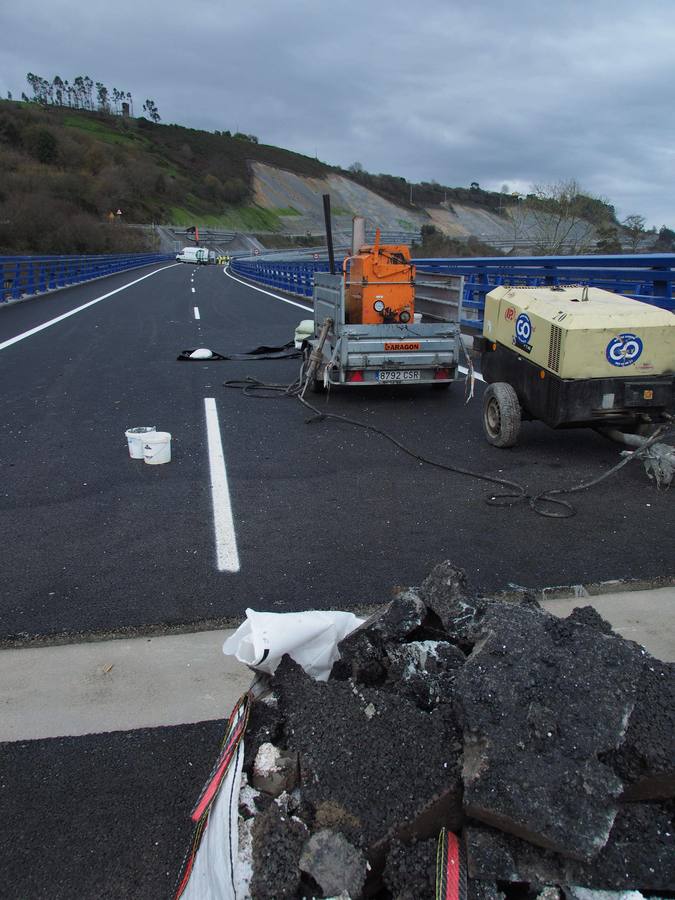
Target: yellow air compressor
<point>574,356</point>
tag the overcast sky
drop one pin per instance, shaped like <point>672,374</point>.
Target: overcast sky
<point>519,93</point>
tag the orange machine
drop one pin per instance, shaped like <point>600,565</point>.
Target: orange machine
<point>380,285</point>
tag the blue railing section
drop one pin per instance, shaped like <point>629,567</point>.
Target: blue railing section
<point>645,277</point>
<point>292,277</point>
<point>22,276</point>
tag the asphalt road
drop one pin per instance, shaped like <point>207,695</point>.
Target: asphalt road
<point>325,515</point>
<point>101,816</point>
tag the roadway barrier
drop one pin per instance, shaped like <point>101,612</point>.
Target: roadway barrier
<point>290,276</point>
<point>22,276</point>
<point>645,277</point>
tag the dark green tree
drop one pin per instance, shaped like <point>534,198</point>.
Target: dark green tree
<point>150,107</point>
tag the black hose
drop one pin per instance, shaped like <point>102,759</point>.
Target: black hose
<point>515,493</point>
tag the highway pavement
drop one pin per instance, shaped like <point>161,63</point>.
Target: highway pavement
<point>96,544</point>
<point>322,514</point>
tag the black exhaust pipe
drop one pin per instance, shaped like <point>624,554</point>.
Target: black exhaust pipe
<point>329,233</point>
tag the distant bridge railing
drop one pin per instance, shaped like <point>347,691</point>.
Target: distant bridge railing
<point>22,276</point>
<point>294,277</point>
<point>645,277</point>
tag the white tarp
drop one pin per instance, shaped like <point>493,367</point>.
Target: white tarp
<point>310,638</point>
<point>213,874</point>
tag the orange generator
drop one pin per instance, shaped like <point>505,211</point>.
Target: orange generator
<point>380,285</point>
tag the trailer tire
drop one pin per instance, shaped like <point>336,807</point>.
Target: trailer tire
<point>501,415</point>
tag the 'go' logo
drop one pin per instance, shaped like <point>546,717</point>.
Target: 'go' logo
<point>523,329</point>
<point>624,350</point>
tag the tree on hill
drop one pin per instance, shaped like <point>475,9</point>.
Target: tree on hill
<point>635,231</point>
<point>150,108</point>
<point>553,220</point>
<point>665,242</point>
<point>80,95</point>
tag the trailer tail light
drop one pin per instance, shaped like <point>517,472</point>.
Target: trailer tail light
<point>355,376</point>
<point>441,374</point>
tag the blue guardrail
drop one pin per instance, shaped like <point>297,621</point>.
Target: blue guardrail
<point>22,276</point>
<point>645,277</point>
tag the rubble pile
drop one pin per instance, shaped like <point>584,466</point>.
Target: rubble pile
<point>546,744</point>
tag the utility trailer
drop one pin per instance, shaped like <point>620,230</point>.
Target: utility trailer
<point>389,352</point>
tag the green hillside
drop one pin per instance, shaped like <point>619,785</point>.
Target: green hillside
<point>63,170</point>
<point>64,173</point>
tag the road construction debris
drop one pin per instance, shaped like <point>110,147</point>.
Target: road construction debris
<point>546,745</point>
<point>334,864</point>
<point>274,771</point>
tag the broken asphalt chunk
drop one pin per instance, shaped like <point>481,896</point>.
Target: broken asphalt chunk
<point>541,698</point>
<point>335,864</point>
<point>395,774</point>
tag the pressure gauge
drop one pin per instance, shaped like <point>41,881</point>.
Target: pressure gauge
<point>378,306</point>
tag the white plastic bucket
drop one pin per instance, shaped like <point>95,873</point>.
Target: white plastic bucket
<point>157,448</point>
<point>417,318</point>
<point>135,438</point>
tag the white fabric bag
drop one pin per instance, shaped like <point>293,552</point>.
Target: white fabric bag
<point>310,638</point>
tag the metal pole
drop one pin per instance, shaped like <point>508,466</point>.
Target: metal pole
<point>358,234</point>
<point>329,233</point>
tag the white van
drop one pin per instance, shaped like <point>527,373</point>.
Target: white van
<point>195,255</point>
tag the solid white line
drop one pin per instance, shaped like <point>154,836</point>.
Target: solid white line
<point>227,556</point>
<point>269,293</point>
<point>197,316</point>
<point>464,371</point>
<point>21,337</point>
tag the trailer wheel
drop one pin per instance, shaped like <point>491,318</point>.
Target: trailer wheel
<point>501,415</point>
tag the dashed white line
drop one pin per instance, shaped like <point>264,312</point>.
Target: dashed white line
<point>194,291</point>
<point>197,316</point>
<point>227,556</point>
<point>269,293</point>
<point>21,337</point>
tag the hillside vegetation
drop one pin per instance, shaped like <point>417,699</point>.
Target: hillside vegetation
<point>63,171</point>
<point>66,171</point>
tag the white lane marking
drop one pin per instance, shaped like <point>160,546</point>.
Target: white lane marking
<point>464,371</point>
<point>227,556</point>
<point>194,291</point>
<point>269,293</point>
<point>21,337</point>
<point>197,316</point>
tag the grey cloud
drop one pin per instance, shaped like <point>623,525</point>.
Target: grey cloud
<point>526,93</point>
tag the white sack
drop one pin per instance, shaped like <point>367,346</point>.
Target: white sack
<point>310,638</point>
<point>214,875</point>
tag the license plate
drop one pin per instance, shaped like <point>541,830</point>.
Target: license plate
<point>398,375</point>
